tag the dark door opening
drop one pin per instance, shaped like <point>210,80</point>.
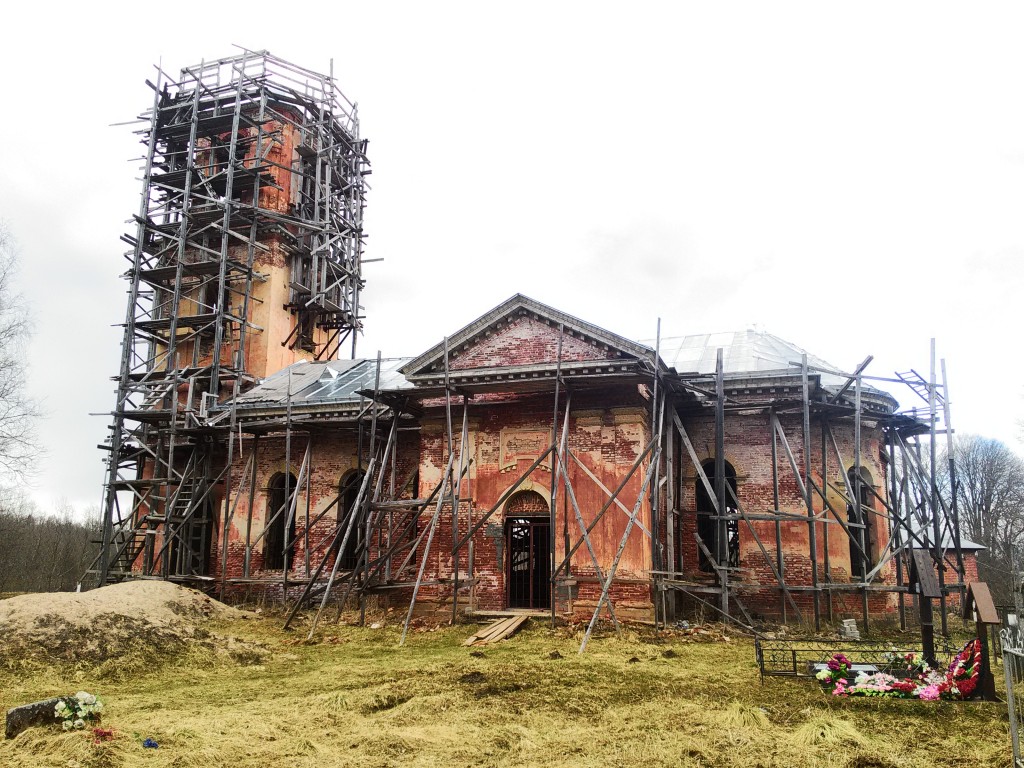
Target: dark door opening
<point>198,536</point>
<point>529,562</point>
<point>862,532</point>
<point>348,494</point>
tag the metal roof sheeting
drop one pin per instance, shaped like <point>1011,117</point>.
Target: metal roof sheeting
<point>924,530</point>
<point>743,352</point>
<point>334,381</point>
<point>751,354</point>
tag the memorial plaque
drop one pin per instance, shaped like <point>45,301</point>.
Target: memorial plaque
<point>520,444</point>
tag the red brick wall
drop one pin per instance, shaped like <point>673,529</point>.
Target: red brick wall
<point>970,567</point>
<point>524,340</point>
<point>607,440</point>
<point>748,443</point>
<point>333,456</point>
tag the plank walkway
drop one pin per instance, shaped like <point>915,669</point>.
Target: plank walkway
<point>497,630</point>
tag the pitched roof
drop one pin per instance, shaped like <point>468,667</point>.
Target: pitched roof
<point>925,531</point>
<point>745,353</point>
<point>742,352</point>
<point>750,354</point>
<point>335,381</point>
<point>614,345</point>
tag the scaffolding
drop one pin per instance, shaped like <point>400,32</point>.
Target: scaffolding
<point>252,167</point>
<point>923,531</point>
<point>395,534</point>
<point>254,176</point>
<point>922,527</point>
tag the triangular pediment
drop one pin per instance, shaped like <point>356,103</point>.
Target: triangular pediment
<point>523,333</point>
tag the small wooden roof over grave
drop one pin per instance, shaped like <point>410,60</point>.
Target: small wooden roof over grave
<point>922,573</point>
<point>979,604</point>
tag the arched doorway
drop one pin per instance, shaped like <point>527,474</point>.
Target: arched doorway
<point>708,526</point>
<point>280,491</point>
<point>528,543</point>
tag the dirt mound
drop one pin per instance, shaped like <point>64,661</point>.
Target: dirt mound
<point>134,623</point>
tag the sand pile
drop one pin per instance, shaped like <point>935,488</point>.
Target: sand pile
<point>134,622</point>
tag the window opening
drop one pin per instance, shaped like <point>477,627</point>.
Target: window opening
<point>348,493</point>
<point>861,523</point>
<point>281,487</point>
<point>708,526</point>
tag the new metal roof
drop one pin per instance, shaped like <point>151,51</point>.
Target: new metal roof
<point>335,381</point>
<point>743,352</point>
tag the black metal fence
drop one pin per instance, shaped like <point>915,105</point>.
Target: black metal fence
<point>801,658</point>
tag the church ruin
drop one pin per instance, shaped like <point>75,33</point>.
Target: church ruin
<point>529,461</point>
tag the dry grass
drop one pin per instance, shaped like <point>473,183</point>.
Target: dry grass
<point>356,699</point>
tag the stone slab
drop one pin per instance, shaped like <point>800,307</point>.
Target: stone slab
<point>28,715</point>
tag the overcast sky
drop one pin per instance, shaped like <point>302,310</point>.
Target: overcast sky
<point>849,177</point>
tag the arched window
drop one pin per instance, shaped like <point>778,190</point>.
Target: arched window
<point>709,528</point>
<point>348,494</point>
<point>861,521</point>
<point>280,491</point>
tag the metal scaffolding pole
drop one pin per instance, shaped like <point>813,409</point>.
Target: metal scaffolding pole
<point>215,210</point>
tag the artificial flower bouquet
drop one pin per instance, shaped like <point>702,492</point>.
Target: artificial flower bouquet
<point>74,711</point>
<point>908,676</point>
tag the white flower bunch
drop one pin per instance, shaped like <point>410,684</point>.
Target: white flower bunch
<point>73,711</point>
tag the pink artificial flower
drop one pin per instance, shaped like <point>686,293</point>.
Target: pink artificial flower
<point>929,693</point>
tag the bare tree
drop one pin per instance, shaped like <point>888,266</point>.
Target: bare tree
<point>18,410</point>
<point>44,552</point>
<point>990,499</point>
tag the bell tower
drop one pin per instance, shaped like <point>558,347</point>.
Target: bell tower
<point>246,257</point>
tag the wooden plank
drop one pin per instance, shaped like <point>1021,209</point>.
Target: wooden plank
<point>499,629</point>
<point>496,630</point>
<point>513,624</point>
<point>980,598</point>
<point>923,573</point>
<point>490,629</point>
<point>474,637</point>
<point>487,631</point>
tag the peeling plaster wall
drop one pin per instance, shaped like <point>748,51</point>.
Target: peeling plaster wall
<point>748,440</point>
<point>333,456</point>
<point>606,439</point>
<point>608,429</point>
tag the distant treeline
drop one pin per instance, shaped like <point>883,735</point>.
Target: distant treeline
<point>43,552</point>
